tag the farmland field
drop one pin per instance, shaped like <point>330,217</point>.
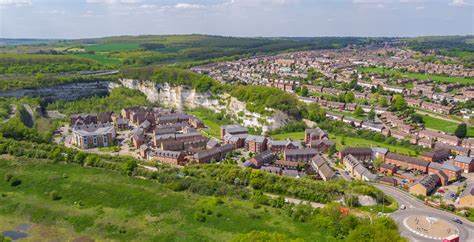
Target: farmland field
<point>108,47</point>
<point>419,76</point>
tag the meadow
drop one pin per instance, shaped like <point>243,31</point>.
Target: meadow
<point>101,58</point>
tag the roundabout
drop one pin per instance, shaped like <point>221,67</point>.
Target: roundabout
<point>430,227</point>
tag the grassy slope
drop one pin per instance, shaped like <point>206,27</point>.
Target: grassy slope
<point>419,76</point>
<point>212,123</point>
<point>349,141</point>
<point>443,125</point>
<point>94,205</point>
<point>101,58</point>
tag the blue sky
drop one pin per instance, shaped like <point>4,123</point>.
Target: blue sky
<point>96,18</point>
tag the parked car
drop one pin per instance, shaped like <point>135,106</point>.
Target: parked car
<point>456,220</point>
<point>403,207</point>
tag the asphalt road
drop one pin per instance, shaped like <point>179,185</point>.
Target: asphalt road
<point>416,207</point>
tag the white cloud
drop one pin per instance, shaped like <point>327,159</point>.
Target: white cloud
<point>114,1</point>
<point>458,3</point>
<point>420,8</point>
<point>188,6</point>
<point>15,3</point>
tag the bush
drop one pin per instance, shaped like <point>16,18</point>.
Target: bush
<point>54,195</point>
<point>8,177</point>
<point>200,217</point>
<point>15,182</point>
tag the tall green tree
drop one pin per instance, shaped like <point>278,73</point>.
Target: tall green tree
<point>461,130</point>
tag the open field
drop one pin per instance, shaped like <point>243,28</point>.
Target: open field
<point>293,136</point>
<point>443,125</point>
<point>92,204</point>
<point>380,70</point>
<point>108,47</point>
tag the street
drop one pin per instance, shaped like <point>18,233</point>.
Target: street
<point>414,207</point>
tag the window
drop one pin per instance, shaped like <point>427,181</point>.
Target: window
<point>105,140</point>
<point>94,141</point>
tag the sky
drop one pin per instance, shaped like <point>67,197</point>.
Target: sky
<point>69,19</point>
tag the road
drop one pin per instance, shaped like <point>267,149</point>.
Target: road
<point>416,207</point>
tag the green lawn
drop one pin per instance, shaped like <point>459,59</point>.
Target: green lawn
<point>108,47</point>
<point>419,76</point>
<point>349,114</point>
<point>293,136</point>
<point>210,120</point>
<point>443,125</point>
<point>350,141</point>
<point>104,205</point>
<point>101,58</point>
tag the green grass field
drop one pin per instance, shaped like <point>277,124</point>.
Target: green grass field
<point>101,58</point>
<point>443,125</point>
<point>209,119</point>
<point>419,76</point>
<point>105,205</point>
<point>349,141</point>
<point>108,47</point>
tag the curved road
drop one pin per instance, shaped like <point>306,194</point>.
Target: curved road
<point>416,207</point>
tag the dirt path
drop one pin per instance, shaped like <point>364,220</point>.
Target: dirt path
<point>12,113</point>
<point>298,201</point>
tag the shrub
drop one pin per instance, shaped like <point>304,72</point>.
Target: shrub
<point>199,217</point>
<point>15,182</point>
<point>54,195</point>
<point>8,177</point>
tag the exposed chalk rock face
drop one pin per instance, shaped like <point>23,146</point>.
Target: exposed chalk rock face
<point>181,97</point>
<point>67,92</point>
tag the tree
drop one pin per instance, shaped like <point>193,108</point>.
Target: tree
<point>349,97</point>
<point>383,101</point>
<point>304,91</point>
<point>332,150</point>
<point>461,130</point>
<point>359,112</point>
<point>129,166</point>
<point>398,104</point>
<point>371,115</point>
<point>416,118</point>
<point>377,163</point>
<point>444,102</point>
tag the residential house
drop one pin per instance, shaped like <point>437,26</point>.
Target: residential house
<point>465,163</point>
<point>322,146</point>
<point>320,164</point>
<point>360,153</point>
<point>299,155</point>
<point>87,136</point>
<point>436,155</point>
<point>439,137</point>
<point>167,156</point>
<point>278,146</point>
<point>286,164</point>
<point>407,161</point>
<point>425,186</point>
<point>314,134</point>
<point>263,158</point>
<point>256,143</point>
<point>233,129</point>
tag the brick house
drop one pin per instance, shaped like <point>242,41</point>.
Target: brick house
<point>299,155</point>
<point>436,155</point>
<point>256,143</point>
<point>263,158</point>
<point>464,162</point>
<point>360,153</point>
<point>314,134</point>
<point>167,156</point>
<point>406,161</point>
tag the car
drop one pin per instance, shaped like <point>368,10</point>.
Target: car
<point>456,220</point>
<point>403,207</point>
